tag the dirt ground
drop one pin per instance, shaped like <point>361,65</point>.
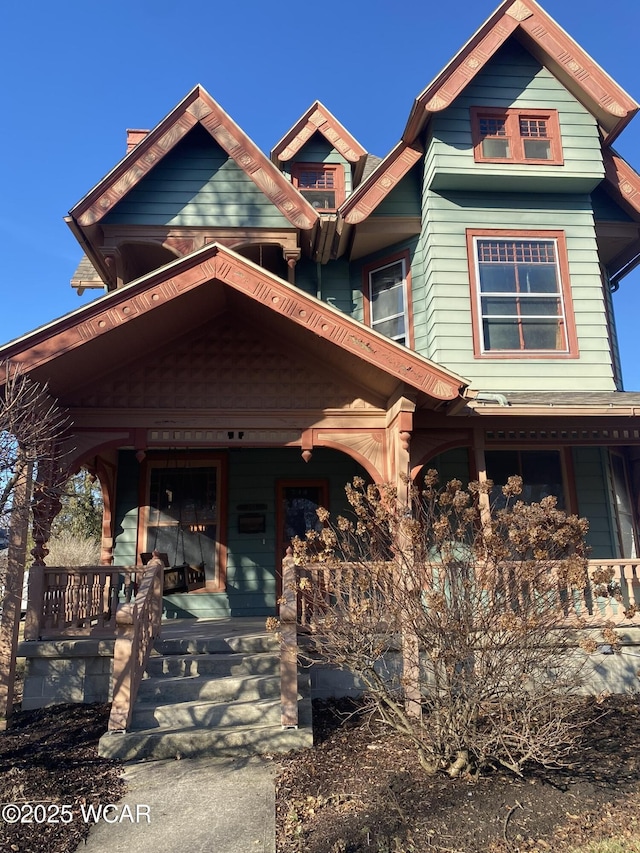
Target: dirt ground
<point>362,789</point>
<point>49,758</point>
<point>359,789</point>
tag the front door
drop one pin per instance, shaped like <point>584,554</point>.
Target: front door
<point>297,502</point>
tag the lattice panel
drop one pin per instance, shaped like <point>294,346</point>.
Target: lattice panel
<point>224,367</point>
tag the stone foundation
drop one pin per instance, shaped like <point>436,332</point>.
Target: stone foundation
<point>61,671</point>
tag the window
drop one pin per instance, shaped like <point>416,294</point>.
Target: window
<point>322,184</point>
<point>522,301</point>
<point>541,472</point>
<point>516,136</point>
<point>387,298</point>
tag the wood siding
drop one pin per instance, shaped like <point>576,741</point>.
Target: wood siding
<point>594,499</point>
<point>404,198</point>
<point>443,321</point>
<point>514,79</point>
<point>197,184</point>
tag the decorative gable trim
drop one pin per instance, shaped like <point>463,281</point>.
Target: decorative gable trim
<point>318,119</point>
<point>216,262</point>
<point>380,182</point>
<point>200,107</point>
<point>551,45</point>
<point>623,182</point>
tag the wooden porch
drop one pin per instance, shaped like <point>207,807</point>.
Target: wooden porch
<point>124,606</point>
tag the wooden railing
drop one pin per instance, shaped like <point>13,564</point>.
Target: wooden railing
<point>75,601</point>
<point>138,625</point>
<point>308,591</point>
<point>594,606</point>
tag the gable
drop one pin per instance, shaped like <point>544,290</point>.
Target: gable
<point>514,79</point>
<point>196,184</point>
<point>227,363</point>
<point>127,322</point>
<point>198,107</point>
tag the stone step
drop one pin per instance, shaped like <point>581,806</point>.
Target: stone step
<point>221,665</point>
<point>203,714</point>
<point>253,644</point>
<point>165,689</point>
<point>193,742</point>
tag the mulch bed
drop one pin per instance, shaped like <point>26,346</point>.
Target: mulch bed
<point>359,789</point>
<point>50,757</point>
<point>362,789</point>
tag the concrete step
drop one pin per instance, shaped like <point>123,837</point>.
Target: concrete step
<point>196,743</point>
<point>253,644</point>
<point>164,689</point>
<point>220,665</point>
<point>203,714</point>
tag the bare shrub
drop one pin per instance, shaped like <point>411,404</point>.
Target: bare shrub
<point>455,622</point>
<point>69,549</point>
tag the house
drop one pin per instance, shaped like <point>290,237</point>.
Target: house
<point>272,326</point>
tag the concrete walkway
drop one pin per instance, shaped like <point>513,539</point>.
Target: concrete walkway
<point>198,805</point>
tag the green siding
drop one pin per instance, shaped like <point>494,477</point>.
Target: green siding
<point>126,511</point>
<point>442,319</point>
<point>514,79</point>
<point>593,490</point>
<point>251,557</point>
<point>605,209</point>
<point>357,310</point>
<point>197,183</point>
<point>329,282</point>
<point>404,198</point>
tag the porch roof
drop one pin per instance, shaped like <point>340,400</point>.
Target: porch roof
<point>123,325</point>
<point>558,403</point>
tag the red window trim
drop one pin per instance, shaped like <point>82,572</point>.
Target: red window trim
<point>512,118</point>
<point>338,180</point>
<point>403,255</point>
<point>565,291</point>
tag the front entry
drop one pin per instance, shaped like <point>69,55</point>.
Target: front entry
<point>182,521</point>
<point>297,502</point>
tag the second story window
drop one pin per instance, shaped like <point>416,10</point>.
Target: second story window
<point>516,136</point>
<point>522,302</point>
<point>322,184</point>
<point>387,298</point>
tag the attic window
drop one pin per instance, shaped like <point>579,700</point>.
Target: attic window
<point>516,136</point>
<point>322,184</point>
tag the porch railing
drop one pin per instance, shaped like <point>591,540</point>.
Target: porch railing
<point>75,601</point>
<point>138,625</point>
<point>595,606</point>
<point>308,590</point>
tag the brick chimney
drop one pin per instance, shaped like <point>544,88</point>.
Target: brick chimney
<point>134,137</point>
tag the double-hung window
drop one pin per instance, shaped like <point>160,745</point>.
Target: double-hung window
<point>387,296</point>
<point>521,299</point>
<point>516,136</point>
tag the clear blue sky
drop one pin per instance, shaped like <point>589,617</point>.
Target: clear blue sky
<point>77,74</point>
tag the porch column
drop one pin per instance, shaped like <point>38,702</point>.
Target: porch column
<point>399,430</point>
<point>484,500</point>
<point>10,624</point>
<point>291,256</point>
